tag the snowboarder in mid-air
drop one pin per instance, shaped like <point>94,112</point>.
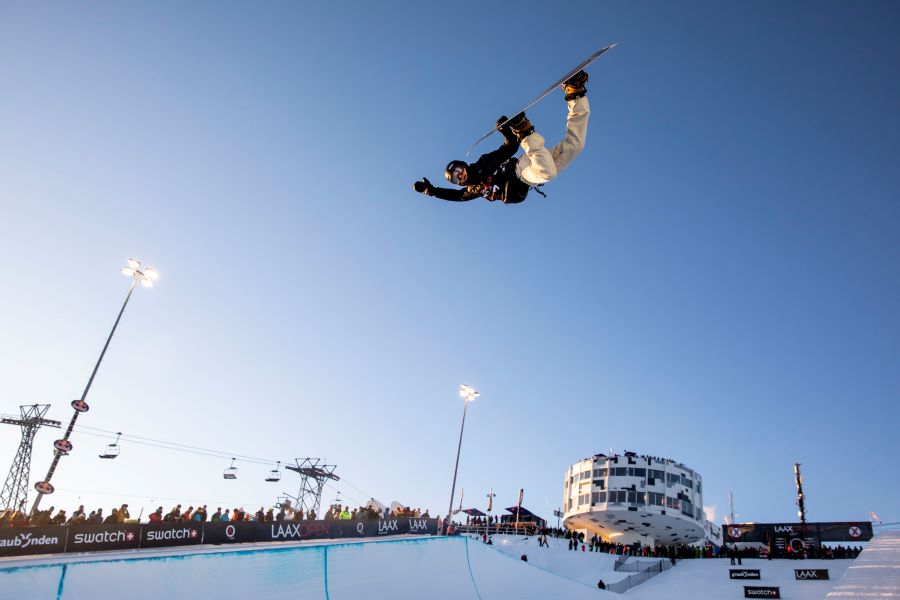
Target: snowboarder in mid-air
<point>498,176</point>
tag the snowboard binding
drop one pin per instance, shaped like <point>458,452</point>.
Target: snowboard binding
<point>574,86</point>
<point>521,126</point>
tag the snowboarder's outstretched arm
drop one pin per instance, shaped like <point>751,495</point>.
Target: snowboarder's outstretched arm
<point>487,163</point>
<point>453,195</point>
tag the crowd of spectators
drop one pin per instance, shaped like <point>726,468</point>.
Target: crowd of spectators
<point>647,457</point>
<point>577,541</point>
<point>371,512</point>
<point>46,518</point>
<point>284,512</point>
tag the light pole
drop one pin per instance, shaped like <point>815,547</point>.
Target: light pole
<point>469,394</point>
<point>147,276</point>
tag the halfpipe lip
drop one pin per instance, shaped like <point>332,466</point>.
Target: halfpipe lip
<point>50,560</point>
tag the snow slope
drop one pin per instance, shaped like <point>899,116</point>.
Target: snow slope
<point>708,578</point>
<point>584,567</point>
<point>436,568</point>
<point>876,571</point>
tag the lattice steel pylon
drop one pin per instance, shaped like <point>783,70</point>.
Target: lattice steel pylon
<point>15,490</point>
<point>313,475</point>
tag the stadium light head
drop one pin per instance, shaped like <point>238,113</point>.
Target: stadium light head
<point>146,276</point>
<point>468,392</point>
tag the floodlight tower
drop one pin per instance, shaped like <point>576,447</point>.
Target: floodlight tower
<point>15,491</point>
<point>468,394</point>
<point>146,276</point>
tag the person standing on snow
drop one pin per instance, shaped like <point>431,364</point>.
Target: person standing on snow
<point>496,176</point>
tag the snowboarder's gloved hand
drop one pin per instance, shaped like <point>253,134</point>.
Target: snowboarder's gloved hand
<point>424,187</point>
<point>505,130</point>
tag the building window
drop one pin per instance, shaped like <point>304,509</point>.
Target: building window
<point>599,472</point>
<point>639,472</point>
<point>617,496</point>
<point>619,472</point>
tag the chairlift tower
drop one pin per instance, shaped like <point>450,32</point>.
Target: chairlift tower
<point>313,476</point>
<point>15,489</point>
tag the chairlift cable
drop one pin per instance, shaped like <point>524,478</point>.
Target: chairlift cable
<point>172,498</point>
<point>211,453</point>
<point>178,447</point>
<point>187,446</point>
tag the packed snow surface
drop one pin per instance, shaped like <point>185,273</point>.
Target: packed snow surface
<point>876,571</point>
<point>436,568</point>
<point>578,565</point>
<point>700,578</point>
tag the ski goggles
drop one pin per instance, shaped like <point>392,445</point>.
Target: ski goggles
<point>455,173</point>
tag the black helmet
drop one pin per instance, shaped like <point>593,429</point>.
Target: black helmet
<point>451,174</point>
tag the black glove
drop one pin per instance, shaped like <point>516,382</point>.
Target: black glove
<point>505,130</point>
<point>424,187</point>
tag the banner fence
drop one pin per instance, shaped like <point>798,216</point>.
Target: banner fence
<point>24,541</point>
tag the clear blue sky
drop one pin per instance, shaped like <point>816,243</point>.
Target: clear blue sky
<point>716,278</point>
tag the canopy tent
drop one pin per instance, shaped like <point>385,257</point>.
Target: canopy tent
<point>524,516</point>
<point>474,512</point>
<point>523,512</point>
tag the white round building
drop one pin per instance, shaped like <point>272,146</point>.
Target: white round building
<point>632,498</point>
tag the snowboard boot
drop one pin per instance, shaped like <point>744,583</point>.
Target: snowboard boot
<point>521,126</point>
<point>574,87</point>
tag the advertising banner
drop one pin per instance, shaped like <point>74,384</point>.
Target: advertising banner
<point>311,530</point>
<point>171,534</point>
<point>89,538</point>
<point>32,540</point>
<point>383,527</point>
<point>856,531</point>
<point>781,534</point>
<point>756,591</point>
<point>811,574</point>
<point>743,574</point>
<point>228,533</point>
<point>288,531</point>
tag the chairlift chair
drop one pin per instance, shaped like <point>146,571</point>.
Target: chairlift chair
<point>112,450</point>
<point>275,474</point>
<point>230,472</point>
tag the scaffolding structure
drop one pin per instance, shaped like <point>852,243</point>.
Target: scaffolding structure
<point>14,494</point>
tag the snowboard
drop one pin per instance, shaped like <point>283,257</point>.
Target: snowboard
<point>546,92</point>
